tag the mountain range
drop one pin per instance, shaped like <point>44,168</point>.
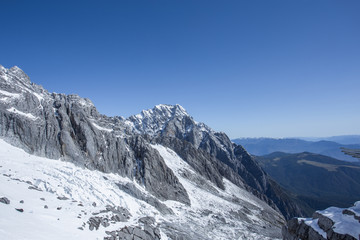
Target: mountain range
<point>264,146</point>
<point>196,180</point>
<point>316,180</point>
<point>342,139</point>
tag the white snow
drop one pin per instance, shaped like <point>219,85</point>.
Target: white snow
<point>9,94</point>
<point>27,115</point>
<point>344,223</point>
<point>5,77</point>
<point>38,96</point>
<point>56,178</point>
<point>101,128</point>
<point>218,201</point>
<point>178,165</point>
<point>314,224</point>
<point>85,102</point>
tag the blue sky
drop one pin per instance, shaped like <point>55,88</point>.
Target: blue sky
<point>247,68</point>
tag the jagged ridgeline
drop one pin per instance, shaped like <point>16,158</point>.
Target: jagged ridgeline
<point>69,127</point>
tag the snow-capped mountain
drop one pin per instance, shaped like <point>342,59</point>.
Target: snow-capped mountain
<point>190,181</point>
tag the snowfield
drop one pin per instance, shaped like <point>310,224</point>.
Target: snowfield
<point>58,199</point>
<point>52,179</point>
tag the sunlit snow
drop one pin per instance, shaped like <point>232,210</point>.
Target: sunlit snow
<point>27,115</point>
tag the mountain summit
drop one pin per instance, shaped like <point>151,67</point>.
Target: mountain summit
<point>154,120</point>
<point>170,160</point>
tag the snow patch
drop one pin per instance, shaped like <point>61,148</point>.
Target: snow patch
<point>313,223</point>
<point>9,94</point>
<point>343,223</point>
<point>27,115</point>
<point>38,96</point>
<point>102,128</point>
<point>85,102</point>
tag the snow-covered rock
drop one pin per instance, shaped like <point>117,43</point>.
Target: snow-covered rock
<point>332,223</point>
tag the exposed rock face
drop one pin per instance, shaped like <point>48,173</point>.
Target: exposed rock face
<point>146,230</point>
<point>332,223</point>
<point>211,153</point>
<point>69,127</point>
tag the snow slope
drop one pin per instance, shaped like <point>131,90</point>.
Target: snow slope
<point>73,194</point>
<point>230,214</point>
<point>52,179</point>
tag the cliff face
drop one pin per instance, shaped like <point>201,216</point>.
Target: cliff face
<point>332,223</point>
<point>211,153</point>
<point>69,127</point>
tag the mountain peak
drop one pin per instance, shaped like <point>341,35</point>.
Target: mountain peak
<point>22,76</point>
<point>163,111</point>
<point>154,120</point>
<point>173,110</point>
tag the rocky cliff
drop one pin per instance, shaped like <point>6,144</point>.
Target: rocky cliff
<point>69,127</point>
<point>211,153</point>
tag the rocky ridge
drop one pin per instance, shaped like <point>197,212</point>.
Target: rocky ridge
<point>211,153</point>
<point>69,127</point>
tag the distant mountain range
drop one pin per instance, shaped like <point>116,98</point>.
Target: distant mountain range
<point>343,139</point>
<point>317,181</point>
<point>263,146</point>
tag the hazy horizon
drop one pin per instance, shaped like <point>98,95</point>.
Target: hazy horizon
<point>309,137</point>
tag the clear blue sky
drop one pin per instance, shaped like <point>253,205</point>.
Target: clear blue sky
<point>249,68</point>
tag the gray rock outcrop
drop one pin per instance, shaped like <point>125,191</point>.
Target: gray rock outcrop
<point>69,127</point>
<point>5,200</point>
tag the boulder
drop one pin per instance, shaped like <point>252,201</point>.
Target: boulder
<point>5,200</point>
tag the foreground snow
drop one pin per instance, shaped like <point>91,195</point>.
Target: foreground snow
<point>20,170</point>
<point>58,198</point>
<point>345,223</point>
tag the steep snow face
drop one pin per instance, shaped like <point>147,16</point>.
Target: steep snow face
<point>232,213</point>
<point>56,195</point>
